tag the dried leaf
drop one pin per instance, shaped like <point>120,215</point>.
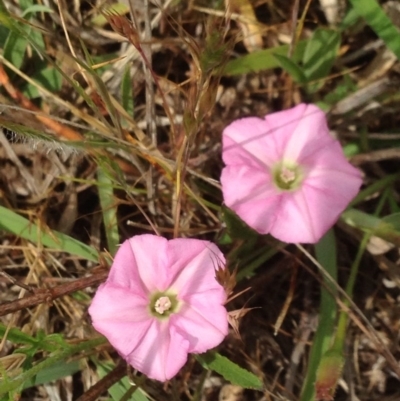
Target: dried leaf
<point>251,28</point>
<point>226,279</point>
<point>235,316</point>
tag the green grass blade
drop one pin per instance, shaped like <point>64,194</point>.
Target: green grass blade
<point>55,372</point>
<point>377,186</point>
<point>109,209</point>
<point>376,18</point>
<point>387,228</point>
<point>127,100</point>
<point>326,256</point>
<point>14,49</point>
<point>320,53</point>
<point>291,68</point>
<point>229,370</point>
<point>22,227</point>
<point>118,390</point>
<point>262,60</point>
<point>16,336</point>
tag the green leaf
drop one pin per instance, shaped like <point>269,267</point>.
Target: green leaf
<point>14,49</point>
<point>118,390</point>
<point>378,186</point>
<point>349,20</point>
<point>109,209</point>
<point>262,60</point>
<point>291,68</point>
<point>229,370</point>
<point>5,17</point>
<point>236,227</point>
<point>377,19</point>
<point>50,360</point>
<point>57,371</point>
<point>325,251</point>
<point>36,8</point>
<point>16,44</point>
<point>20,226</point>
<point>48,77</point>
<point>351,149</point>
<point>127,91</point>
<point>16,336</point>
<point>387,228</point>
<point>320,53</point>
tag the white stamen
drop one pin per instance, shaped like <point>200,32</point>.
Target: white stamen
<point>287,175</point>
<point>162,304</point>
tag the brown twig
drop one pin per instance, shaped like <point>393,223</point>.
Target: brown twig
<point>294,38</point>
<point>105,383</point>
<point>16,282</point>
<point>376,156</point>
<point>50,294</point>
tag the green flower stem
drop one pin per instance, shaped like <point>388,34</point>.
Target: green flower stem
<point>323,349</point>
<point>344,316</point>
<point>382,184</point>
<point>10,385</point>
<point>326,254</point>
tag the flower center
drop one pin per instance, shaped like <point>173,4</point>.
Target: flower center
<point>287,176</point>
<point>163,304</point>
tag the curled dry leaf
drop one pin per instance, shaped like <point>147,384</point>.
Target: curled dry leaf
<point>235,316</point>
<point>226,279</point>
<point>247,21</point>
<point>123,26</point>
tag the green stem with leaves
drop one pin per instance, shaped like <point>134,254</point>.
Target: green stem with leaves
<point>71,350</point>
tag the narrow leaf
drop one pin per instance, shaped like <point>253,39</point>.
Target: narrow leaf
<point>377,19</point>
<point>229,370</point>
<point>262,60</point>
<point>109,209</point>
<point>291,68</point>
<point>387,228</point>
<point>20,226</point>
<point>320,53</point>
<point>325,251</point>
<point>57,371</point>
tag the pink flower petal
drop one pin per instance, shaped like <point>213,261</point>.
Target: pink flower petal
<point>260,214</point>
<point>329,159</point>
<point>161,353</point>
<point>121,316</point>
<point>307,214</point>
<point>251,195</point>
<point>204,322</point>
<point>150,253</point>
<point>245,141</point>
<point>124,271</point>
<point>299,131</point>
<point>195,272</point>
<point>294,220</point>
<point>253,183</point>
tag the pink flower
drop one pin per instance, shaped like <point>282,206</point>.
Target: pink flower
<point>160,302</point>
<point>286,175</point>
